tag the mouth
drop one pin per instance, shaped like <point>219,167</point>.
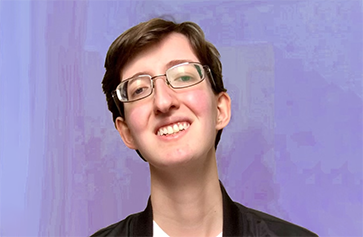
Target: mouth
<point>172,129</point>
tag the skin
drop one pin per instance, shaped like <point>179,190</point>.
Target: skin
<point>185,191</point>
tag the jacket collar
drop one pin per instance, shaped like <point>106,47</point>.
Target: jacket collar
<point>232,221</point>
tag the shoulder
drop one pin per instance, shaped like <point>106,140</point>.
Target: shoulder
<point>138,224</point>
<point>121,228</point>
<point>273,226</point>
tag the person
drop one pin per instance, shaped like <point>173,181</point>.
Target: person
<point>164,87</point>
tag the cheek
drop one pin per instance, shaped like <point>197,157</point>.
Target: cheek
<point>136,118</point>
<point>201,102</point>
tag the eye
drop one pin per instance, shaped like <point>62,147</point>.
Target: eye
<point>139,91</point>
<point>138,88</point>
<point>185,78</point>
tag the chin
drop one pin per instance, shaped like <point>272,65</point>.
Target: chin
<point>172,160</point>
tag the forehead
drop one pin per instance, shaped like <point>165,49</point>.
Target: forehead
<point>156,59</point>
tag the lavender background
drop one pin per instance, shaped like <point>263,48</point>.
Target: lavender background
<point>293,148</point>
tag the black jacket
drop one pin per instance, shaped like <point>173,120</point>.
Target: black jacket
<point>238,220</point>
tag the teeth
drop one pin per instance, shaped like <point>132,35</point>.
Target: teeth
<point>171,129</point>
<point>175,128</point>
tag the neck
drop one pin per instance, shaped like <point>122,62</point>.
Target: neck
<point>188,201</point>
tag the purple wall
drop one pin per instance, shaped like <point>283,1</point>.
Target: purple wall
<point>293,148</point>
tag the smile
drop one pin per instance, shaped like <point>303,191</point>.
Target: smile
<point>173,128</point>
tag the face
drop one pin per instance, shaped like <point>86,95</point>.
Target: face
<point>172,127</point>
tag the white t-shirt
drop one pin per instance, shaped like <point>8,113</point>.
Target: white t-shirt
<point>158,232</point>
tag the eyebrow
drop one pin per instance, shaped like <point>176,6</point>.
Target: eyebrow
<point>175,62</point>
<point>167,66</point>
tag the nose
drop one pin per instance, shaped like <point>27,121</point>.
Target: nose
<point>165,98</point>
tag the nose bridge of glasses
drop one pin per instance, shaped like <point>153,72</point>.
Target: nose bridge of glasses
<point>154,78</point>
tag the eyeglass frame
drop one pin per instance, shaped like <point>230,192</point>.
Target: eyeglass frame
<point>205,67</point>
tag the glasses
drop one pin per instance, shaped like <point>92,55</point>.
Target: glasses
<point>177,77</point>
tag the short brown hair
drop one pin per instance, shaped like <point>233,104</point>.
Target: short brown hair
<point>146,34</point>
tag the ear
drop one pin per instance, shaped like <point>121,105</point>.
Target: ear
<point>224,110</point>
<point>125,133</point>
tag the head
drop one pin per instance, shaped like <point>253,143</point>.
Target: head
<point>145,36</point>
